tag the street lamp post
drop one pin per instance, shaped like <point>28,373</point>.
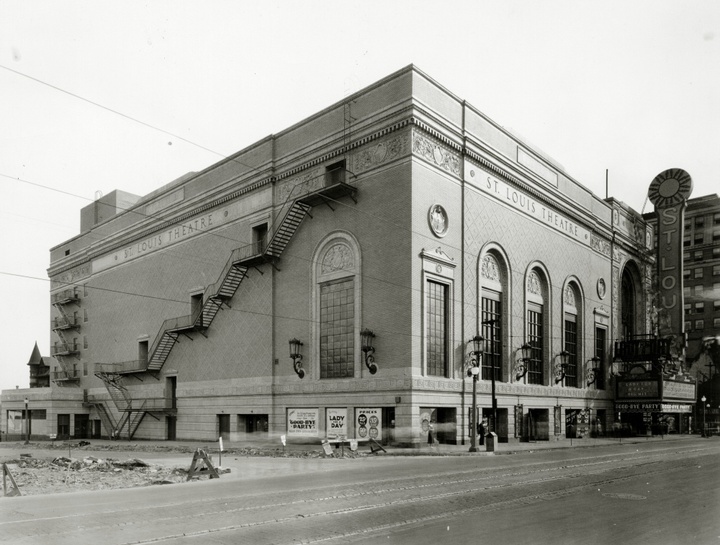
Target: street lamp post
<point>27,422</point>
<point>703,399</point>
<point>474,372</point>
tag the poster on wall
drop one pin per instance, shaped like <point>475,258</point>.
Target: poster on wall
<point>368,424</point>
<point>302,422</point>
<point>336,423</point>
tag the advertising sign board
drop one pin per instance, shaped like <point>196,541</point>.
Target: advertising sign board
<point>302,422</point>
<point>368,424</point>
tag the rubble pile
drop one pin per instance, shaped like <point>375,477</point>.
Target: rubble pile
<point>36,476</point>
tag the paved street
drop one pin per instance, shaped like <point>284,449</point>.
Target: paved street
<point>631,492</point>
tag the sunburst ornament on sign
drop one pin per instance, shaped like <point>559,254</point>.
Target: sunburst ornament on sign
<point>670,188</point>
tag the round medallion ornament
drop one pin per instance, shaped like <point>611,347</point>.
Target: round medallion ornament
<point>438,220</point>
<point>670,188</point>
<point>601,288</point>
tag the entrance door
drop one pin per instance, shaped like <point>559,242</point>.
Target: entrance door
<point>539,425</point>
<point>224,426</point>
<point>446,427</point>
<point>252,424</point>
<point>502,423</point>
<point>82,426</point>
<point>571,422</point>
<point>388,425</point>
<point>171,428</point>
<point>63,426</point>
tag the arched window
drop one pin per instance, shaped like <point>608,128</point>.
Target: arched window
<point>493,290</point>
<point>572,332</point>
<point>536,294</point>
<point>337,302</point>
<point>627,305</point>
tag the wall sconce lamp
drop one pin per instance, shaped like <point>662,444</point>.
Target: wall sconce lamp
<point>366,345</point>
<point>296,357</point>
<point>617,360</point>
<point>478,344</point>
<point>594,370</point>
<point>559,370</point>
<point>521,367</point>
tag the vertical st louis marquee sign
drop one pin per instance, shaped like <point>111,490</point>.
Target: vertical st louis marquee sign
<point>669,192</point>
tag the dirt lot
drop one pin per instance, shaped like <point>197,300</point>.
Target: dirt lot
<point>50,468</point>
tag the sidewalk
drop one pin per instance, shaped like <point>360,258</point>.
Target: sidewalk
<point>514,446</point>
<point>269,447</point>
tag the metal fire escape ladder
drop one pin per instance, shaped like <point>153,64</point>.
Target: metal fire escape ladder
<point>285,231</point>
<point>235,270</point>
<point>120,396</point>
<point>66,348</point>
<point>132,416</point>
<point>215,296</point>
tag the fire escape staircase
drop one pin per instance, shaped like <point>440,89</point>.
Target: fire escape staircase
<point>60,325</point>
<point>130,415</point>
<point>214,297</point>
<point>224,289</point>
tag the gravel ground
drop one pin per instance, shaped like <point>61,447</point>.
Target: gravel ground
<point>51,468</point>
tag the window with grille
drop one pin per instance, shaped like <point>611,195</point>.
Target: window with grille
<point>337,326</point>
<point>436,334</point>
<point>491,327</point>
<point>535,339</point>
<point>571,348</point>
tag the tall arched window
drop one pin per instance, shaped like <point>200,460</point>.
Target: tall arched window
<point>337,301</point>
<point>572,332</point>
<point>536,300</point>
<point>493,277</point>
<point>627,305</point>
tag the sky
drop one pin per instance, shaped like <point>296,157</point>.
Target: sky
<point>98,95</point>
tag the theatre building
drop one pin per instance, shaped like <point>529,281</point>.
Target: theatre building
<point>329,280</point>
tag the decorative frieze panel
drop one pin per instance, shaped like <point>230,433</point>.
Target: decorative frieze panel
<point>309,181</point>
<point>383,151</point>
<point>434,153</point>
<point>599,245</point>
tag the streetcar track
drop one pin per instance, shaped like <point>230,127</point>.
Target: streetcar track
<point>526,500</point>
<point>592,466</point>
